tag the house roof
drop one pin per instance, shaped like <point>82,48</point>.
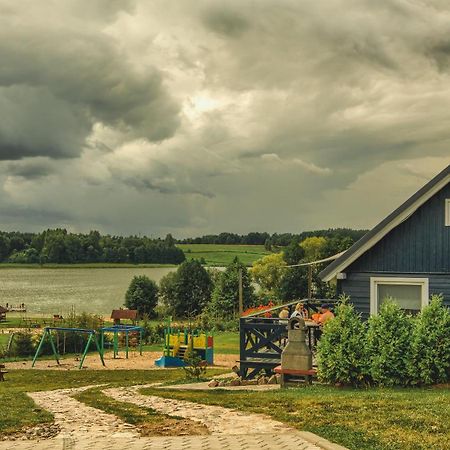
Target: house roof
<point>124,314</point>
<point>394,219</point>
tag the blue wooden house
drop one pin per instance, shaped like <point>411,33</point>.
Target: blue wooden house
<point>406,256</point>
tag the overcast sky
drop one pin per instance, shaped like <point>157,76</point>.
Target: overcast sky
<point>194,117</point>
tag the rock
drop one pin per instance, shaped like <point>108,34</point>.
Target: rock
<point>221,384</point>
<point>213,384</point>
<point>272,380</point>
<point>235,383</point>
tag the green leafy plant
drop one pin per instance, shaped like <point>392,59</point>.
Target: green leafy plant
<point>195,366</point>
<point>341,355</point>
<point>142,294</point>
<point>430,361</point>
<point>389,345</point>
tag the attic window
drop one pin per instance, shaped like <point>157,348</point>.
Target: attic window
<point>447,212</point>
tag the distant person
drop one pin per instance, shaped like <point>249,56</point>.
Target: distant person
<point>300,311</point>
<point>284,313</point>
<point>325,314</point>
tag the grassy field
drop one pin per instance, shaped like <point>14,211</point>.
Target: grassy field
<point>21,411</point>
<point>376,419</point>
<point>221,255</point>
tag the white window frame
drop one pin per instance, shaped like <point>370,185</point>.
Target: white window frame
<point>375,281</point>
<point>447,212</point>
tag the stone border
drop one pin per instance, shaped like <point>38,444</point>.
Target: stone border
<point>320,441</point>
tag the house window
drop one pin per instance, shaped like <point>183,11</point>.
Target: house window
<point>447,212</point>
<point>411,294</point>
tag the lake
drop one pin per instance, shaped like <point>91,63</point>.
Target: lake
<point>56,291</point>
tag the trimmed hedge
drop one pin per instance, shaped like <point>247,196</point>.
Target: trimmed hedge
<point>391,349</point>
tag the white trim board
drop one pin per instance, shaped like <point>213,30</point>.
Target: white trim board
<point>374,281</point>
<point>447,212</point>
<point>397,220</point>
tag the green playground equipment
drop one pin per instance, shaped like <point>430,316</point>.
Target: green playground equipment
<point>116,329</point>
<point>48,333</point>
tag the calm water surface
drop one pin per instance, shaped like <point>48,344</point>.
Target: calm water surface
<point>54,291</point>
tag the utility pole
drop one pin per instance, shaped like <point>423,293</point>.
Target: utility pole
<point>241,300</point>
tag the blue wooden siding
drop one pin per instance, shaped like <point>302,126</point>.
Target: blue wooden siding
<point>357,286</point>
<point>421,244</point>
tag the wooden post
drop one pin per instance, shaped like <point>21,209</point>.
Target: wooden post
<point>241,299</point>
<point>309,282</point>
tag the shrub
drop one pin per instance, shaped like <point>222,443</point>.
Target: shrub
<point>23,344</point>
<point>341,354</point>
<point>430,362</point>
<point>195,366</point>
<point>389,345</point>
<point>142,294</point>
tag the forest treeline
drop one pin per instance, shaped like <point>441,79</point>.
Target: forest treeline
<point>275,239</point>
<point>58,246</point>
<point>61,247</point>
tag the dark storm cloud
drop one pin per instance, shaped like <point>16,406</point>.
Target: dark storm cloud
<point>29,168</point>
<point>196,117</point>
<point>58,79</point>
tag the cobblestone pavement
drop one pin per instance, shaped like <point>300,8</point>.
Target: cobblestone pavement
<point>217,419</point>
<point>213,442</point>
<point>84,427</point>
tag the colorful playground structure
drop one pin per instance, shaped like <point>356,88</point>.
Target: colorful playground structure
<point>179,343</point>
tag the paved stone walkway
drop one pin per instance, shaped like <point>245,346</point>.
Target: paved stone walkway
<point>217,419</point>
<point>84,427</point>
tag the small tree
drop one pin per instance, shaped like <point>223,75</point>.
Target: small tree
<point>142,294</point>
<point>389,345</point>
<point>341,350</point>
<point>187,291</point>
<point>268,272</point>
<point>430,362</point>
<point>225,297</point>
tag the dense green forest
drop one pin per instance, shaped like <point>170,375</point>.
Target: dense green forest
<point>58,246</point>
<point>61,247</point>
<point>275,239</point>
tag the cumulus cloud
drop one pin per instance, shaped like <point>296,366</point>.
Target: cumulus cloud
<point>198,117</point>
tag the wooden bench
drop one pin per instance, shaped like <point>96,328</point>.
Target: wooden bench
<point>2,372</point>
<point>289,375</point>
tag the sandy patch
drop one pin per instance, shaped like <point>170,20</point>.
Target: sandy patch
<point>92,362</point>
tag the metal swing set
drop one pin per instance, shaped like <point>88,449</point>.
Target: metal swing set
<point>48,333</point>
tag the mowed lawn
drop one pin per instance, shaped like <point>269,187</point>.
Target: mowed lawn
<point>374,419</point>
<point>222,255</point>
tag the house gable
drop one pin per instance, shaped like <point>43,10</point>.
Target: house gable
<point>396,218</point>
<point>420,244</point>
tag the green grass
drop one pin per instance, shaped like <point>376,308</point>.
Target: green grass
<point>222,255</point>
<point>376,419</point>
<point>20,410</point>
<point>4,338</point>
<point>147,420</point>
